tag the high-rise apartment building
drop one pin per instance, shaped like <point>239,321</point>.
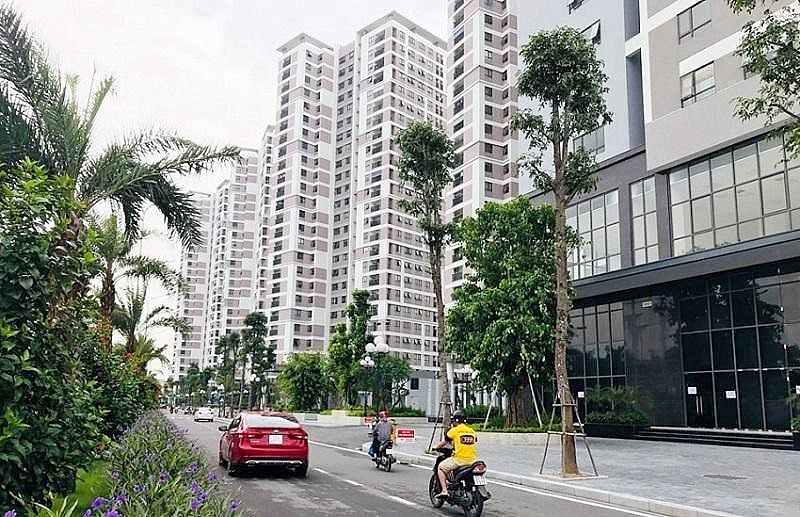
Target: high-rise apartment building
<point>188,348</point>
<point>231,292</point>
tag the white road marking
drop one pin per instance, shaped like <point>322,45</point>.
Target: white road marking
<point>320,470</point>
<point>569,498</point>
<point>354,483</point>
<point>345,449</point>
<point>401,500</point>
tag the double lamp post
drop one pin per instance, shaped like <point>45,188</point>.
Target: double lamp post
<point>377,346</point>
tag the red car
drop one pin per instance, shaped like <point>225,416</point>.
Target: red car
<point>254,439</point>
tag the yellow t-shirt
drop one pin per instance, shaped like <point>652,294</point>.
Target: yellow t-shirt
<point>464,443</point>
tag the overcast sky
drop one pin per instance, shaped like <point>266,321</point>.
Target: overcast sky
<point>204,68</point>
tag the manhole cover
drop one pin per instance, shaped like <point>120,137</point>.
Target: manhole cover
<point>722,476</point>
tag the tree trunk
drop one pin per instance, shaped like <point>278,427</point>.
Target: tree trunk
<point>61,251</point>
<point>516,415</point>
<point>569,464</point>
<point>436,274</point>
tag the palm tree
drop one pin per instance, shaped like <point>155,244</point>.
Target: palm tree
<point>41,119</point>
<point>145,350</point>
<point>132,322</point>
<point>112,249</point>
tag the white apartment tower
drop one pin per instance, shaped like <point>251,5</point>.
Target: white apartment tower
<point>231,294</point>
<point>192,304</point>
<point>482,64</point>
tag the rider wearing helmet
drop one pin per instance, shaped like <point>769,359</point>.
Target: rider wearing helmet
<point>382,432</point>
<point>465,449</point>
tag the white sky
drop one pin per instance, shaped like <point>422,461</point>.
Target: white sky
<point>206,69</point>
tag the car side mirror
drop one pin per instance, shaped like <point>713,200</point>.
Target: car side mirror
<point>223,428</point>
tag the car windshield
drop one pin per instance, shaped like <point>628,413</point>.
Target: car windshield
<point>269,421</point>
<point>203,410</point>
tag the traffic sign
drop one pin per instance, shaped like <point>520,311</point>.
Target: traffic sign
<point>367,420</point>
<point>405,435</point>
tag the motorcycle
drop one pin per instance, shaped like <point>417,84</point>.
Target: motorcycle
<point>466,486</point>
<point>383,457</point>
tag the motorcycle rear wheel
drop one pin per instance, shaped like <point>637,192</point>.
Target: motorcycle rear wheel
<point>475,508</point>
<point>433,490</point>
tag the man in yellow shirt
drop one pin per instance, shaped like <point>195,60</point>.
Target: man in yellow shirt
<point>465,449</point>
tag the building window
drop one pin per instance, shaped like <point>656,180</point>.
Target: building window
<point>693,18</point>
<point>593,141</point>
<point>697,85</point>
<point>742,193</point>
<point>597,222</point>
<point>645,227</point>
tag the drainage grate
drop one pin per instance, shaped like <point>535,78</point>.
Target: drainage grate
<point>722,476</point>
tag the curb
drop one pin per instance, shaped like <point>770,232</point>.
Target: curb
<point>603,496</point>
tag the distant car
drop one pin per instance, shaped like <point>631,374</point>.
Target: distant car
<point>187,410</point>
<point>203,413</point>
<point>254,439</point>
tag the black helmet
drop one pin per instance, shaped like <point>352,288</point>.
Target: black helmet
<point>459,416</point>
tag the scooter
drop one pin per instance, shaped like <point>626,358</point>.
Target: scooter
<point>466,486</point>
<point>383,456</point>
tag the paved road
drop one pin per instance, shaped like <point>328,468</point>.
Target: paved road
<point>342,482</point>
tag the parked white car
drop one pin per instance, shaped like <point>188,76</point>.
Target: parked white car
<point>203,413</point>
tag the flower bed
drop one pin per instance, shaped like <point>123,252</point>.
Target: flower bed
<point>154,470</point>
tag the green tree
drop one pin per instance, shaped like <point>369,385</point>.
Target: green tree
<point>564,78</point>
<point>347,344</point>
<point>229,348</point>
<point>503,319</point>
<point>50,423</point>
<point>770,48</point>
<point>426,158</point>
<point>130,320</point>
<point>255,349</point>
<point>304,381</point>
<point>113,250</point>
<point>388,372</point>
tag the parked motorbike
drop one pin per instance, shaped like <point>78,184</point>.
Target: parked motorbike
<point>466,486</point>
<point>383,457</point>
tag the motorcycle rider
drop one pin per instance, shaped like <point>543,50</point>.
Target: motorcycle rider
<point>382,432</point>
<point>465,449</point>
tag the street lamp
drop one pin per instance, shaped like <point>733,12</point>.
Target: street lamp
<point>376,346</point>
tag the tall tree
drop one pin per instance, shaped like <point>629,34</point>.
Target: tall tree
<point>113,251</point>
<point>228,347</point>
<point>388,372</point>
<point>347,345</point>
<point>770,48</point>
<point>503,320</point>
<point>426,158</point>
<point>564,78</point>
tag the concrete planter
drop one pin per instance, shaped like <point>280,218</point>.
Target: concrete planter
<point>611,430</point>
<point>485,438</point>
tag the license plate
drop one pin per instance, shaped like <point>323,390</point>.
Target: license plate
<point>479,480</point>
<point>276,439</point>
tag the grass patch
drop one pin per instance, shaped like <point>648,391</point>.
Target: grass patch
<point>88,486</point>
<point>530,429</point>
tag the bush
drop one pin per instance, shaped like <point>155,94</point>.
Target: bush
<point>155,471</point>
<point>623,417</point>
<point>479,411</point>
<point>406,411</point>
<point>524,429</point>
<point>796,424</point>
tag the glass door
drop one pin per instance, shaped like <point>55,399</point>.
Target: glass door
<point>699,400</point>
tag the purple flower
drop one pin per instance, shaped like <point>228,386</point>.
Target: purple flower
<point>164,476</point>
<point>193,468</point>
<point>137,488</point>
<point>10,513</point>
<point>115,475</point>
<point>203,497</point>
<point>98,503</point>
<point>212,476</point>
<point>112,513</point>
<point>234,505</point>
<point>194,487</point>
<point>195,505</point>
<point>121,497</point>
<point>87,513</point>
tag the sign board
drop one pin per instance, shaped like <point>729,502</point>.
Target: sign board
<point>730,394</point>
<point>581,394</point>
<point>405,435</point>
<point>367,420</point>
<point>647,304</point>
<point>691,390</point>
<point>797,389</point>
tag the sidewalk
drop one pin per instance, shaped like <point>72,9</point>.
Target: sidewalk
<point>660,477</point>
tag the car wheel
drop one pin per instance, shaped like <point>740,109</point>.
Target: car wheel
<point>231,468</point>
<point>302,471</point>
<point>221,461</point>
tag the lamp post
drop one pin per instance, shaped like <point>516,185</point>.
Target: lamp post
<point>376,346</point>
